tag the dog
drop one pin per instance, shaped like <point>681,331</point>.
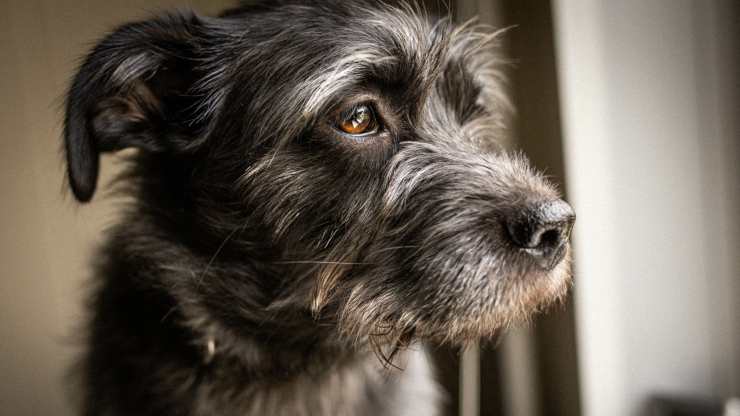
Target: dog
<point>317,189</point>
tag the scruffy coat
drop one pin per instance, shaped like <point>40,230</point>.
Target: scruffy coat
<point>267,263</point>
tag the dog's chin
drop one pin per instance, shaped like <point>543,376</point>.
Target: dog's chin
<point>512,300</point>
<point>481,308</point>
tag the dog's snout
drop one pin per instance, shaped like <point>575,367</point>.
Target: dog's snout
<point>542,231</point>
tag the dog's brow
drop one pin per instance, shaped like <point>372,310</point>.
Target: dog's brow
<point>363,63</point>
<point>359,62</point>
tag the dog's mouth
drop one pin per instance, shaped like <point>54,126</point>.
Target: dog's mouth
<point>547,258</point>
<point>499,301</point>
<point>474,297</point>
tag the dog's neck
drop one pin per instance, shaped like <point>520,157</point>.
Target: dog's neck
<point>264,340</point>
<point>173,303</point>
<point>351,385</point>
<point>244,375</point>
<point>270,358</point>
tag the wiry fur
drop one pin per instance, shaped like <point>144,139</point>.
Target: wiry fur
<point>265,261</point>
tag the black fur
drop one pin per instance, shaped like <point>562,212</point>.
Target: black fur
<point>269,263</point>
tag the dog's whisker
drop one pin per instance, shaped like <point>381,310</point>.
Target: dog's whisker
<point>348,263</point>
<point>215,254</point>
<point>392,248</point>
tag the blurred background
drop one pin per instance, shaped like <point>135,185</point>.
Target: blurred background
<point>631,105</point>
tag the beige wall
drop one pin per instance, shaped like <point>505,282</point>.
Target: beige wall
<point>45,238</point>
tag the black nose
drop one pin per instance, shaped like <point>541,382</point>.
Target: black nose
<point>542,231</point>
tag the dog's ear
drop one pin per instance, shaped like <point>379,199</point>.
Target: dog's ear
<point>132,90</point>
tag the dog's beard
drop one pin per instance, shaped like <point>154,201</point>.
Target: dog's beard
<point>475,306</point>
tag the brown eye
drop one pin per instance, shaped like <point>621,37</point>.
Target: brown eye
<point>359,120</point>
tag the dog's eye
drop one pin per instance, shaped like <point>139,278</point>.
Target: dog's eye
<point>358,120</point>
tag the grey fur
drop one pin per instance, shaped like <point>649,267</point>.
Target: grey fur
<point>268,263</point>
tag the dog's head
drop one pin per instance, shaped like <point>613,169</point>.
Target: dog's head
<point>347,152</point>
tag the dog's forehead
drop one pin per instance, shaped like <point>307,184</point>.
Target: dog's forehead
<point>306,56</point>
<point>342,33</point>
<point>391,46</point>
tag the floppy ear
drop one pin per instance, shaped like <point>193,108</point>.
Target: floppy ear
<point>132,90</point>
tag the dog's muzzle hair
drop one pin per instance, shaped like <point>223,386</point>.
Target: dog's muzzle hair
<point>317,173</point>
